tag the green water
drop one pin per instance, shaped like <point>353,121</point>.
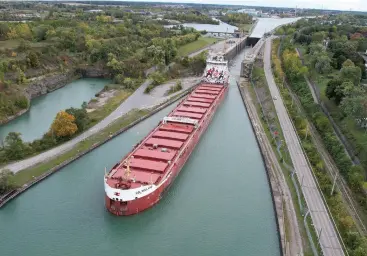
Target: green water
<point>33,124</point>
<point>220,204</point>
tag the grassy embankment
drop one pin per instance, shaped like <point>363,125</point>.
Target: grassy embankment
<point>196,45</point>
<point>245,27</point>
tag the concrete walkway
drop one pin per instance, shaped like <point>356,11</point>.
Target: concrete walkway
<point>137,100</point>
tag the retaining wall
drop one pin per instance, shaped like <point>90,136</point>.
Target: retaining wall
<point>276,192</point>
<point>236,49</point>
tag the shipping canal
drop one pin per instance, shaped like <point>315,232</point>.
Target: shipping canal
<point>220,204</point>
<point>33,124</point>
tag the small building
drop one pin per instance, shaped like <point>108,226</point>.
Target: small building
<point>251,12</point>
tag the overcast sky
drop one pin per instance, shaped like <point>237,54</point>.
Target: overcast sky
<point>355,5</point>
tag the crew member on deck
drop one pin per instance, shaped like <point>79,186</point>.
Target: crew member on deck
<point>221,75</point>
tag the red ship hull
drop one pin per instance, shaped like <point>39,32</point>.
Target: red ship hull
<point>139,181</point>
<point>138,205</point>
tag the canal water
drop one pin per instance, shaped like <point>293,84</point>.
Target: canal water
<point>33,124</point>
<point>265,25</point>
<point>220,204</point>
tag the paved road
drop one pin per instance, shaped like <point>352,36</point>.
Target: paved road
<point>323,224</point>
<point>137,100</point>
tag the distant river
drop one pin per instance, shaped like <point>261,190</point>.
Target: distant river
<point>222,27</point>
<point>33,124</point>
<point>264,25</point>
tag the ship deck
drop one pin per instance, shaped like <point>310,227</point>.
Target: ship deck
<point>154,154</point>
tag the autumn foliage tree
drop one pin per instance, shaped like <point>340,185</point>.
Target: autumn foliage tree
<point>64,125</point>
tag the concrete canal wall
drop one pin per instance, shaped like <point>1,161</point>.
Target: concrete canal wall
<point>275,189</point>
<point>235,49</point>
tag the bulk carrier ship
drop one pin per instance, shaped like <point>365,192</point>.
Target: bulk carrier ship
<point>141,178</point>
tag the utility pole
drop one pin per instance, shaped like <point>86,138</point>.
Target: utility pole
<point>307,128</point>
<point>318,240</point>
<point>332,189</point>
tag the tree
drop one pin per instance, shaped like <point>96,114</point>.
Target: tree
<point>356,106</point>
<point>346,223</point>
<point>41,32</point>
<point>315,48</point>
<point>331,90</point>
<point>23,31</point>
<point>348,63</point>
<point>318,36</point>
<point>6,181</point>
<point>14,147</point>
<point>322,65</point>
<point>63,125</point>
<point>350,72</point>
<point>293,65</point>
<point>33,60</point>
<point>356,178</point>
<point>156,53</point>
<point>81,117</point>
<point>345,89</point>
<point>4,30</point>
<point>169,48</point>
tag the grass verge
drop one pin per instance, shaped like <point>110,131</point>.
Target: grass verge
<point>103,111</point>
<point>196,45</point>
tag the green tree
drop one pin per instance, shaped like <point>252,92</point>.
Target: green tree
<point>81,117</point>
<point>156,53</point>
<point>331,92</point>
<point>351,73</point>
<point>322,65</point>
<point>318,36</point>
<point>356,178</point>
<point>40,32</point>
<point>355,105</point>
<point>15,148</point>
<point>348,63</point>
<point>6,181</point>
<point>4,30</point>
<point>33,60</point>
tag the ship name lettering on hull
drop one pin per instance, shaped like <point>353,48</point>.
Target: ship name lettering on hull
<point>143,190</point>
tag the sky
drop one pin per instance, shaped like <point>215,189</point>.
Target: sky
<point>354,5</point>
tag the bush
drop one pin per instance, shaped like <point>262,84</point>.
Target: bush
<point>21,102</point>
<point>175,88</point>
<point>157,78</point>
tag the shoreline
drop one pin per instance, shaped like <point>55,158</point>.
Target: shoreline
<point>13,194</point>
<point>49,87</point>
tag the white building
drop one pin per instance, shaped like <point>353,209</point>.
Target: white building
<point>251,12</point>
